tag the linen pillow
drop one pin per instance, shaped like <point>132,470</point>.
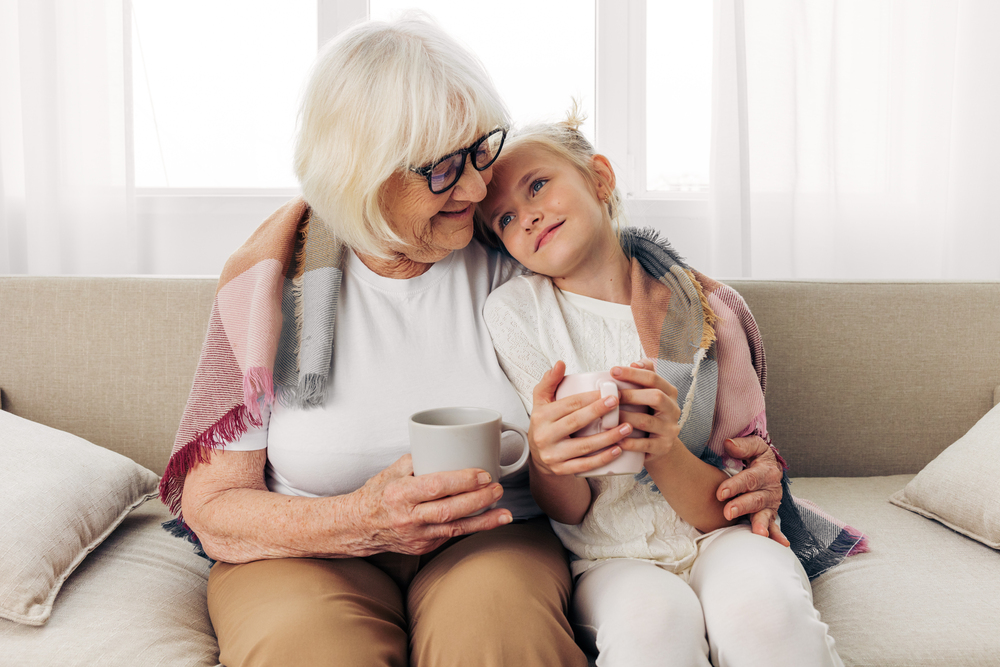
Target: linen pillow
<point>60,498</point>
<point>137,601</point>
<point>960,488</point>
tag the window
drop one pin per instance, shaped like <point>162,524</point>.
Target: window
<point>217,85</point>
<point>678,95</point>
<point>537,69</point>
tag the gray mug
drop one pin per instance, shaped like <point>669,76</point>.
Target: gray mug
<point>445,439</point>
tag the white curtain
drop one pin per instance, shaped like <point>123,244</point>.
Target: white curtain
<point>857,139</point>
<point>66,195</point>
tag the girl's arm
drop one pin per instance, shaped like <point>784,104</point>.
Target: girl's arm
<point>686,482</point>
<point>555,457</point>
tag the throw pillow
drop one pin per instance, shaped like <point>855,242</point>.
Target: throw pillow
<point>61,497</point>
<point>960,488</point>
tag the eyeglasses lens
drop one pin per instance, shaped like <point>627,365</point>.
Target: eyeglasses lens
<point>487,150</point>
<point>445,173</point>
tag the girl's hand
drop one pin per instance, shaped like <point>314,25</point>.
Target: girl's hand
<point>553,452</point>
<point>660,398</point>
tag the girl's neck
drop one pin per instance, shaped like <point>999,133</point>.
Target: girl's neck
<point>607,276</point>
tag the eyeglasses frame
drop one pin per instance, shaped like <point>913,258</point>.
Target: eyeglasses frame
<point>427,171</point>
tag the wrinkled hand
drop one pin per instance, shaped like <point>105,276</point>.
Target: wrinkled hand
<point>756,489</point>
<point>553,452</point>
<point>415,515</point>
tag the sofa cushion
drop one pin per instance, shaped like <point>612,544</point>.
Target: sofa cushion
<point>922,596</point>
<point>139,599</point>
<point>960,487</point>
<point>61,497</point>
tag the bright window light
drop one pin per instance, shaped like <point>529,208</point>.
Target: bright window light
<point>678,95</point>
<point>216,90</point>
<point>540,54</point>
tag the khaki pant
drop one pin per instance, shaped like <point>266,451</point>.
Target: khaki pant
<point>489,599</point>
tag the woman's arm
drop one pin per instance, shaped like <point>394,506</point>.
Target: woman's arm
<point>226,503</point>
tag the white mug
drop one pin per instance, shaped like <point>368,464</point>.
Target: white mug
<point>445,439</point>
<point>627,463</point>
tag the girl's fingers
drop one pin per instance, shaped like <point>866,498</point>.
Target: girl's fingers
<point>655,399</point>
<point>645,377</point>
<point>545,390</point>
<point>556,456</point>
<point>580,464</point>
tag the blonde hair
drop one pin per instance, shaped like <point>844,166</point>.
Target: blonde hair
<point>383,97</point>
<point>564,140</point>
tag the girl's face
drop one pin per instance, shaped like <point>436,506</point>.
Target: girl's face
<point>549,217</point>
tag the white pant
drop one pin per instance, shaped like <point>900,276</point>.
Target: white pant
<point>749,594</point>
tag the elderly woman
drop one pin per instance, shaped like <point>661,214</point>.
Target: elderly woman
<point>291,466</point>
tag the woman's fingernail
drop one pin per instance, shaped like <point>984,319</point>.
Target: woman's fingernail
<point>484,478</point>
<point>610,401</point>
<point>616,451</point>
<point>505,519</point>
<point>616,371</point>
<point>498,491</point>
<point>625,429</point>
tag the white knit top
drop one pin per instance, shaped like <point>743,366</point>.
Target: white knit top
<point>534,324</point>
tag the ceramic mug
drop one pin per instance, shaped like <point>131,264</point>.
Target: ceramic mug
<point>445,439</point>
<point>627,463</point>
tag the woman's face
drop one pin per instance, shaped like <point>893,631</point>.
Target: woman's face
<point>432,225</point>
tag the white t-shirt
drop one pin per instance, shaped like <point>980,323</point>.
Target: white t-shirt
<point>400,346</point>
<point>534,324</point>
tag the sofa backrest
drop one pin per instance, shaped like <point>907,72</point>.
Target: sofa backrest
<point>874,378</point>
<point>108,359</point>
<point>863,378</point>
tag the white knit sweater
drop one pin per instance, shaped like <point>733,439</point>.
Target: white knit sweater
<point>534,324</point>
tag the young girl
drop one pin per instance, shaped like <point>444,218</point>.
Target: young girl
<point>663,577</point>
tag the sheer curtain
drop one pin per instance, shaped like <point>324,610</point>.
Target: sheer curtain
<point>857,139</point>
<point>66,200</point>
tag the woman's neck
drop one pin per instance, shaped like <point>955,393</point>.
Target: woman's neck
<point>396,266</point>
<point>607,276</point>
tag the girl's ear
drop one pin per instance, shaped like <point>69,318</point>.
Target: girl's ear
<point>605,176</point>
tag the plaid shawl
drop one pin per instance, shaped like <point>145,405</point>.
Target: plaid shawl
<point>270,337</point>
<point>705,342</point>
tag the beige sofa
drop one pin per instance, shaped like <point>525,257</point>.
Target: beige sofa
<point>867,383</point>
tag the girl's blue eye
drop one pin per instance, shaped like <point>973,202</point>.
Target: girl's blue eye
<point>504,221</point>
<point>537,185</point>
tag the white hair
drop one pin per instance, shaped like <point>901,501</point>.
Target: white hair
<point>384,97</point>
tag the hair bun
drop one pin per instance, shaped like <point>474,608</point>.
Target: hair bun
<point>575,117</point>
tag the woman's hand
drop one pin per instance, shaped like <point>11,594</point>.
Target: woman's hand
<point>229,507</point>
<point>553,451</point>
<point>756,489</point>
<point>415,515</point>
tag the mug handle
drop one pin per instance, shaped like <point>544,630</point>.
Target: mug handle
<point>518,465</point>
<point>610,420</point>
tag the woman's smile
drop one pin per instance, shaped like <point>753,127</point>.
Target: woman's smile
<point>459,213</point>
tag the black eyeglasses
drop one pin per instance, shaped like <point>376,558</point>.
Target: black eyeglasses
<point>444,174</point>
